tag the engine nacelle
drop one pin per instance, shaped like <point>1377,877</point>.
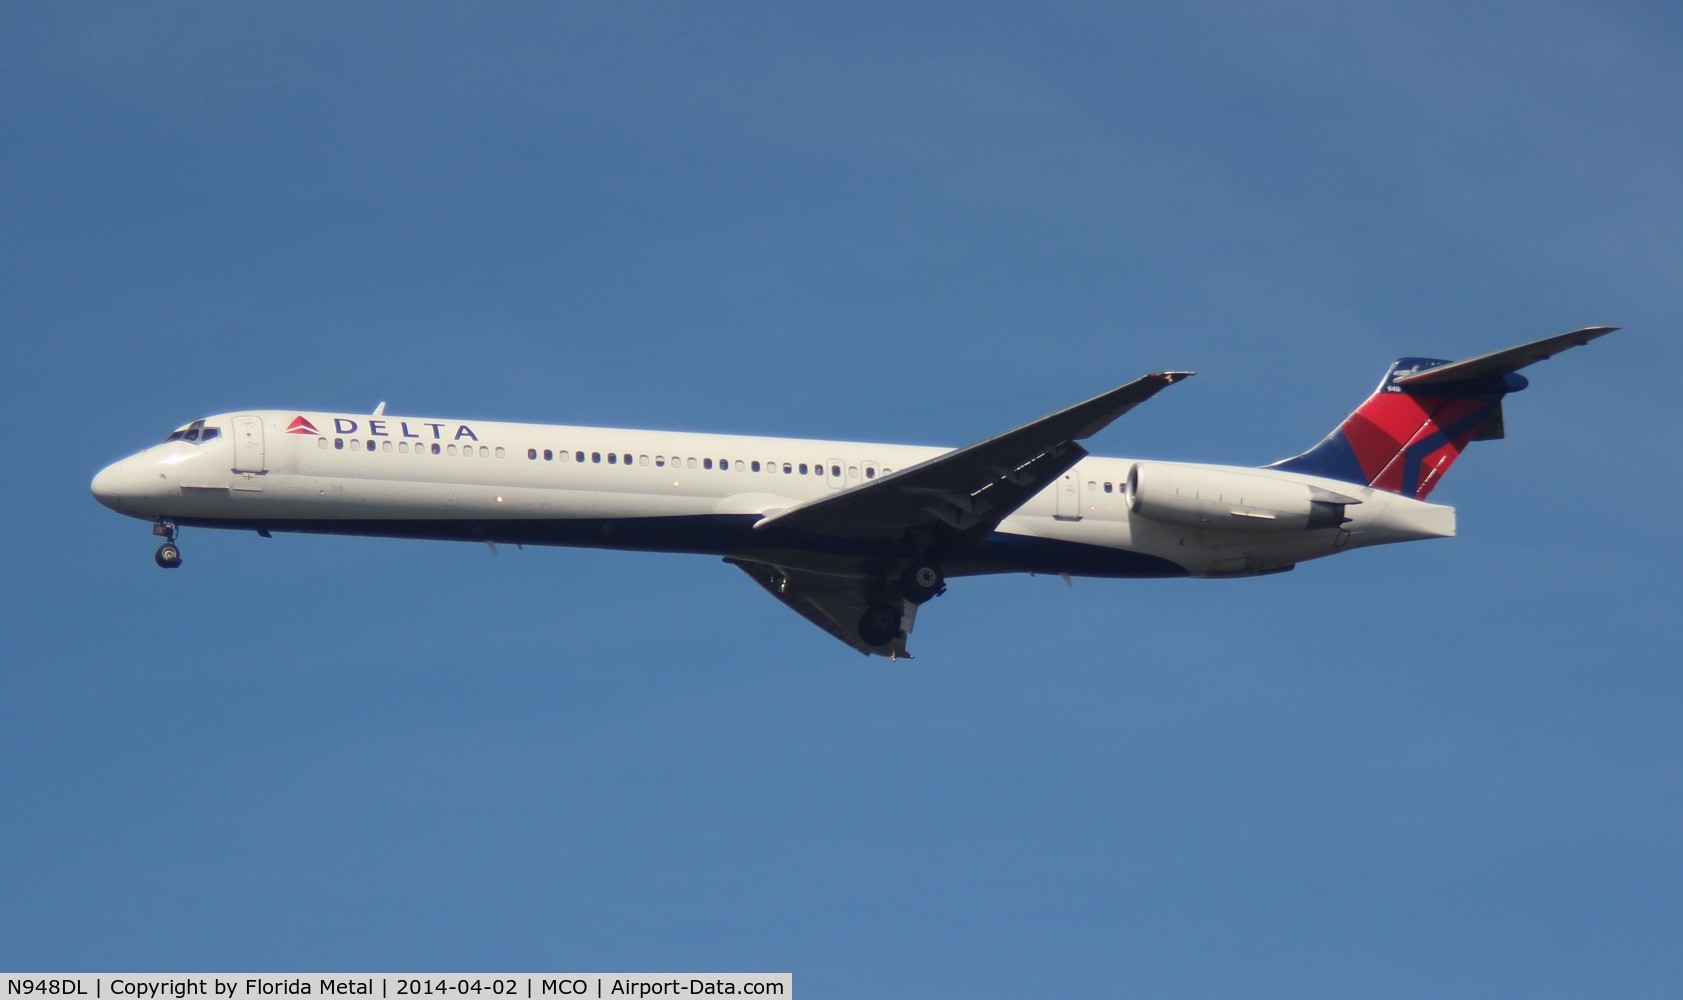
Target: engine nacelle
<point>1231,501</point>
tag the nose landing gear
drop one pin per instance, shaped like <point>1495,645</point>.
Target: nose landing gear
<point>168,555</point>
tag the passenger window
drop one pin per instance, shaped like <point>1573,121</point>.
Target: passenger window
<point>755,466</point>
<point>707,463</point>
<point>739,465</point>
<point>787,468</point>
<point>643,460</point>
<point>596,457</point>
<point>803,468</point>
<point>578,456</point>
<point>870,473</point>
<point>1107,487</point>
<point>853,472</point>
<point>435,450</point>
<point>356,445</point>
<point>835,470</point>
<point>532,454</point>
<point>690,463</point>
<point>321,443</point>
<point>338,444</point>
<point>386,446</point>
<point>403,447</point>
<point>371,444</point>
<point>660,461</point>
<point>484,452</point>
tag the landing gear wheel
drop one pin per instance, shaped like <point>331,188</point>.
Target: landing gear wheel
<point>168,557</point>
<point>922,581</point>
<point>879,625</point>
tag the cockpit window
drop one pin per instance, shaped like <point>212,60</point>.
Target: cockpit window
<point>195,433</point>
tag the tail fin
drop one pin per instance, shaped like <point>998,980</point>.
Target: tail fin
<point>1424,413</point>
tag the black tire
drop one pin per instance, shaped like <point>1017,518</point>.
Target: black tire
<point>879,625</point>
<point>922,581</point>
<point>168,556</point>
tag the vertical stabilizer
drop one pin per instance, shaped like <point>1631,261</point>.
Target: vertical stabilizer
<point>1424,413</point>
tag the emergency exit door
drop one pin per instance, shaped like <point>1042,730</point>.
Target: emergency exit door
<point>1069,497</point>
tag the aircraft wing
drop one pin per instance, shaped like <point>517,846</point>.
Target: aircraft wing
<point>962,496</point>
<point>832,602</point>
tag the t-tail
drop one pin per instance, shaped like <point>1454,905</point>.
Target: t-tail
<point>1424,413</point>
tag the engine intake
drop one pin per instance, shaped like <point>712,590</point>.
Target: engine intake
<point>1231,501</point>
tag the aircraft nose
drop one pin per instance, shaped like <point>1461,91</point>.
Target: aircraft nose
<point>108,485</point>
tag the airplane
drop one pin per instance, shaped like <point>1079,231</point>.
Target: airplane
<point>854,536</point>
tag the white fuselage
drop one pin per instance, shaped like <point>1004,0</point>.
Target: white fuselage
<point>273,470</point>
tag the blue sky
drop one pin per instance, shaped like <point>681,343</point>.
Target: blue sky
<point>1447,769</point>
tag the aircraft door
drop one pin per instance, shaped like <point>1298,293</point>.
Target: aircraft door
<point>1069,497</point>
<point>248,445</point>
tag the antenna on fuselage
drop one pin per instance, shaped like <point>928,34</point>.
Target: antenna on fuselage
<point>380,411</point>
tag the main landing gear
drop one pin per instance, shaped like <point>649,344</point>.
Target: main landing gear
<point>921,582</point>
<point>168,555</point>
<point>879,625</point>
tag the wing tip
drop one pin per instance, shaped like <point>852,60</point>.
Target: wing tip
<point>1589,333</point>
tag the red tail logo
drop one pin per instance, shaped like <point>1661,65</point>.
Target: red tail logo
<point>301,426</point>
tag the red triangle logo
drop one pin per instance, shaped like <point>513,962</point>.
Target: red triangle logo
<point>301,426</point>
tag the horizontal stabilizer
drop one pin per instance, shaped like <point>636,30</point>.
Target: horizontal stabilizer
<point>1501,363</point>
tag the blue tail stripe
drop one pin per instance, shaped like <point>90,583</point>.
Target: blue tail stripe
<point>1333,458</point>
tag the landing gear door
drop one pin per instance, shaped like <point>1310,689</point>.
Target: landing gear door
<point>248,445</point>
